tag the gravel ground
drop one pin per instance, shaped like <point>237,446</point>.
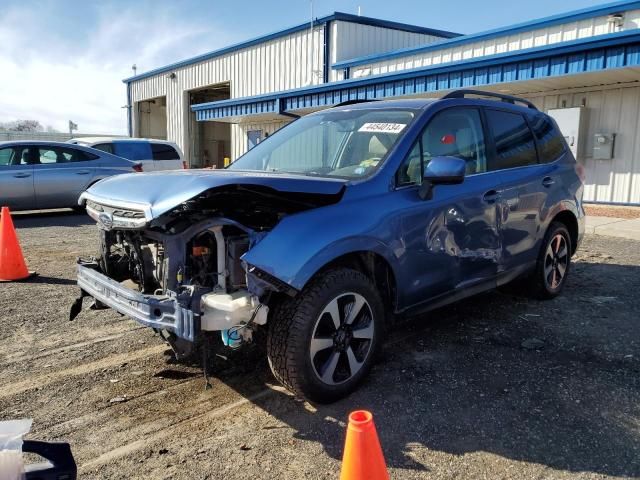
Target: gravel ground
<point>612,211</point>
<point>497,386</point>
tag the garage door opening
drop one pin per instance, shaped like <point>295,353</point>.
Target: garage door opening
<point>210,141</point>
<point>152,118</point>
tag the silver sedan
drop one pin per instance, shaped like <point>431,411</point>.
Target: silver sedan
<point>40,175</point>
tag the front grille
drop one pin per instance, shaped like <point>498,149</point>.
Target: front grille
<point>116,212</point>
<point>115,217</point>
<point>128,214</point>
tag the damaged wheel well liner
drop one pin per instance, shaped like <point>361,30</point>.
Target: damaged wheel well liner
<point>374,266</point>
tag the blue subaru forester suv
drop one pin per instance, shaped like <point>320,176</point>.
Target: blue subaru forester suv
<point>336,225</point>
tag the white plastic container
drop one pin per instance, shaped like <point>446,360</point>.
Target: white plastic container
<point>11,463</point>
<point>221,311</point>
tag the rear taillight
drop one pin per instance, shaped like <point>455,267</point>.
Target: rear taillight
<point>137,167</point>
<point>184,165</point>
<point>581,172</point>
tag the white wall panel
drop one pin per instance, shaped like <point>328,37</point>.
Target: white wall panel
<point>291,61</point>
<point>350,40</point>
<point>508,43</point>
<point>284,63</point>
<point>355,40</point>
<point>610,110</point>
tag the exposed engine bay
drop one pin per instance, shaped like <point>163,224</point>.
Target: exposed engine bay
<point>140,258</point>
<point>207,276</point>
<point>182,273</point>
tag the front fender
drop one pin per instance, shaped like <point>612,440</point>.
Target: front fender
<point>339,249</point>
<point>302,244</point>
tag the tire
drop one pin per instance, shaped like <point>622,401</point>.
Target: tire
<point>341,357</point>
<point>553,264</point>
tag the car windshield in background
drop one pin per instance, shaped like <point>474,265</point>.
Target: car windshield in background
<point>346,143</point>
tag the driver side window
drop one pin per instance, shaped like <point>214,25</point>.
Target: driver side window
<point>411,170</point>
<point>454,132</point>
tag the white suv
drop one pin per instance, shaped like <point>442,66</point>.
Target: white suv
<point>153,154</point>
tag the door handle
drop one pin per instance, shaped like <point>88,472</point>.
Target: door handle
<point>83,172</point>
<point>491,196</point>
<point>22,175</point>
<point>547,182</point>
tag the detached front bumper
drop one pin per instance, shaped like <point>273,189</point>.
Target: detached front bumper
<point>155,311</point>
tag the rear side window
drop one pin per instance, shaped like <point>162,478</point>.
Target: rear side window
<point>63,155</point>
<point>78,155</point>
<point>6,156</point>
<point>513,140</point>
<point>105,147</point>
<point>550,140</point>
<point>133,150</point>
<point>162,151</point>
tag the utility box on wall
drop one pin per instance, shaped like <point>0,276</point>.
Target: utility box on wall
<point>571,123</point>
<point>603,144</point>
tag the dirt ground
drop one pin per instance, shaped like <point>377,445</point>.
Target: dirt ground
<point>614,211</point>
<point>497,387</point>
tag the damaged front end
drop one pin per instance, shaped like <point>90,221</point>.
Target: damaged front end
<point>181,272</point>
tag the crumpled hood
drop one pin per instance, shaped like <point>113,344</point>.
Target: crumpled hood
<point>158,192</point>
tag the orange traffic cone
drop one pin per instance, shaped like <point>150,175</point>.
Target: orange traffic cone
<point>362,457</point>
<point>12,266</point>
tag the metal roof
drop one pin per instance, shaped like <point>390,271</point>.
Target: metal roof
<point>592,54</point>
<point>347,17</point>
<point>605,9</point>
<point>410,103</point>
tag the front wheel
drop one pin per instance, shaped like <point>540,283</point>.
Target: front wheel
<point>322,343</point>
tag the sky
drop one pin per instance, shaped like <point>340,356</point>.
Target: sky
<point>64,60</point>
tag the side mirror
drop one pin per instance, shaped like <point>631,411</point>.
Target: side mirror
<point>441,171</point>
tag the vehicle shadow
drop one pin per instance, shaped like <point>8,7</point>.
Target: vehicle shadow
<point>51,280</point>
<point>50,218</point>
<point>463,380</point>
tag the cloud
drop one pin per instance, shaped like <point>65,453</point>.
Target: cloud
<point>54,70</point>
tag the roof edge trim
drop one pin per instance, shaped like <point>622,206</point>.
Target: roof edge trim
<point>574,15</point>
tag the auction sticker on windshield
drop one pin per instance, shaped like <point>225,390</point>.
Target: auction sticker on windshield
<point>382,127</point>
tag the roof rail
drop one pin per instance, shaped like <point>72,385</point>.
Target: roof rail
<point>353,102</point>
<point>505,98</point>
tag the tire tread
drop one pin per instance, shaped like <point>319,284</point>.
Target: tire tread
<point>537,284</point>
<point>287,329</point>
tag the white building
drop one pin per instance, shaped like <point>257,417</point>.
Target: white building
<point>221,103</point>
<point>297,57</point>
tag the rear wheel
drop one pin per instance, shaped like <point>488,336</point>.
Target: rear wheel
<point>322,343</point>
<point>554,261</point>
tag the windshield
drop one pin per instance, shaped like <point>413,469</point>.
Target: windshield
<point>346,143</point>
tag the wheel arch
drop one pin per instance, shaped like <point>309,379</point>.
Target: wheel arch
<point>569,220</point>
<point>375,266</point>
